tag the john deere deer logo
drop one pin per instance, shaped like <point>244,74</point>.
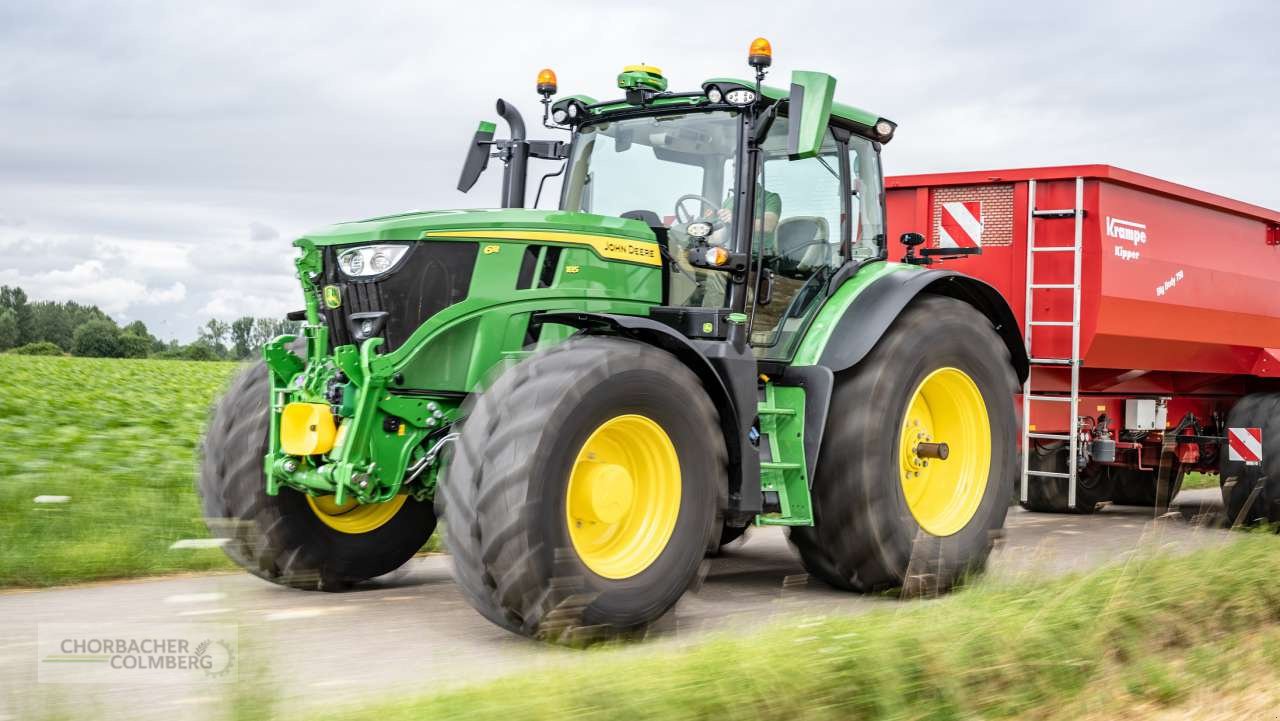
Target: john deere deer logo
<point>332,296</point>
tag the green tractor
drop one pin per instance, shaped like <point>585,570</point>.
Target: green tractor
<point>706,335</point>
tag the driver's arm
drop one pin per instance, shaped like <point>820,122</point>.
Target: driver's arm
<point>769,221</point>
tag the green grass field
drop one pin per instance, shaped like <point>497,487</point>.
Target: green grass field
<point>119,439</point>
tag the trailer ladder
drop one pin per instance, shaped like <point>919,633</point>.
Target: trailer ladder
<point>1072,437</point>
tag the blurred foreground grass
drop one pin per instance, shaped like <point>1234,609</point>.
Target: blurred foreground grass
<point>1148,634</point>
<point>118,439</point>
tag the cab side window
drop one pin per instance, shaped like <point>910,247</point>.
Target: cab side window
<point>799,231</point>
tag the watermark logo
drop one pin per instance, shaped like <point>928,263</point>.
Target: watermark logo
<point>136,653</point>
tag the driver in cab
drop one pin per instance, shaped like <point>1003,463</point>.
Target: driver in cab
<point>710,286</point>
<point>766,222</point>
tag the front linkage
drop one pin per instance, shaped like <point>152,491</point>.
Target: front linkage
<point>380,443</point>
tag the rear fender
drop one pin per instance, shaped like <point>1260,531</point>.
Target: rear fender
<point>873,309</point>
<point>732,393</point>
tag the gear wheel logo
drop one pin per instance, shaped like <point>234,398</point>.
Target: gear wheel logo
<point>222,658</point>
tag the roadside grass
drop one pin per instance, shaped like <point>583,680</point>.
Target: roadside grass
<point>1198,481</point>
<point>1227,680</point>
<point>1148,632</point>
<point>118,439</point>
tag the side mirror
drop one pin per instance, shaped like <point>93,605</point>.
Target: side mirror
<point>477,156</point>
<point>808,110</point>
<point>912,240</point>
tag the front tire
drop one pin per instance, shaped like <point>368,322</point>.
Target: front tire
<point>882,517</point>
<point>293,539</point>
<point>584,490</point>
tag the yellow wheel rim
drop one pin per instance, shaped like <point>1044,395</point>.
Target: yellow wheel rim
<point>623,496</point>
<point>352,517</point>
<point>944,494</point>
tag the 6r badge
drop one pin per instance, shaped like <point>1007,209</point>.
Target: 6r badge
<point>332,296</point>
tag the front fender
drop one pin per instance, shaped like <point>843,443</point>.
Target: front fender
<point>862,309</point>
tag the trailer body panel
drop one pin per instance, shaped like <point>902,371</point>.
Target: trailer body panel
<point>1174,280</point>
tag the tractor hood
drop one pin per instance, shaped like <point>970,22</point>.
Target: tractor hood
<point>411,226</point>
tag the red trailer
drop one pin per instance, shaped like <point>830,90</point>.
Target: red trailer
<point>1151,311</point>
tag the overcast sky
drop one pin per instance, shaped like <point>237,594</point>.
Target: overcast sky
<point>157,158</point>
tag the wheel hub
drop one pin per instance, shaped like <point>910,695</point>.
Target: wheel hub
<point>623,496</point>
<point>353,517</point>
<point>609,490</point>
<point>944,482</point>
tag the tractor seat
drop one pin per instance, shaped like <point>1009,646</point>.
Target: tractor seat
<point>802,244</point>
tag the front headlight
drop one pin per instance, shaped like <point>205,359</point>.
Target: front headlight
<point>369,260</point>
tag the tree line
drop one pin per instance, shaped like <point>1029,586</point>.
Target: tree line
<point>53,328</point>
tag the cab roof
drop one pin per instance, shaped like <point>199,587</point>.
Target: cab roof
<point>861,121</point>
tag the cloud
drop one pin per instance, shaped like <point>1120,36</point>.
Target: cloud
<point>90,283</point>
<point>261,232</point>
<point>229,304</point>
<point>134,138</point>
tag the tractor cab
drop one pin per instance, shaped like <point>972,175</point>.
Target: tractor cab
<point>755,204</point>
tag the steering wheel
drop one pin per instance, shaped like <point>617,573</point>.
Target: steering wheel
<point>684,217</point>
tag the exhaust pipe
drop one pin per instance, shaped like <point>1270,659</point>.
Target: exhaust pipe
<point>517,160</point>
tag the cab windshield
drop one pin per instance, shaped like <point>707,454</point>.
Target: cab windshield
<point>648,163</point>
<point>679,167</point>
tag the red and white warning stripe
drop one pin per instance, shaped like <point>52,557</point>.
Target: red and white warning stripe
<point>1244,444</point>
<point>961,225</point>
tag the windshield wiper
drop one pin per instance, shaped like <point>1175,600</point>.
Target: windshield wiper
<point>830,169</point>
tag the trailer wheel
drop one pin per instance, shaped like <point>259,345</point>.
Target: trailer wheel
<point>584,491</point>
<point>1140,488</point>
<point>291,538</point>
<point>1048,494</point>
<point>1239,481</point>
<point>884,514</point>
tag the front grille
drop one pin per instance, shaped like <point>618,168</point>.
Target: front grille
<point>432,276</point>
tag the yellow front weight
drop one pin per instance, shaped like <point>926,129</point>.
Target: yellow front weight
<point>307,429</point>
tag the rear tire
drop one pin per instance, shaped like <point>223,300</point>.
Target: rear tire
<point>1141,488</point>
<point>866,536</point>
<point>1047,494</point>
<point>280,538</point>
<point>1260,410</point>
<point>511,491</point>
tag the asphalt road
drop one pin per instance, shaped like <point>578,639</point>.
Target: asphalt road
<point>411,632</point>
